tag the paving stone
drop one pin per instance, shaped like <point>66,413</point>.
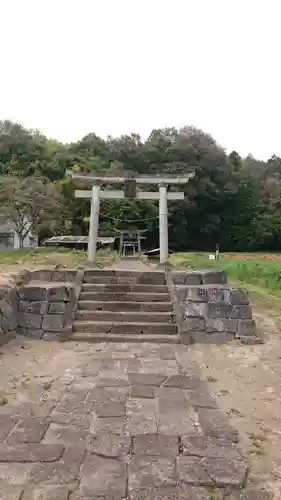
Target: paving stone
<point>156,445</point>
<point>30,452</point>
<point>47,493</point>
<point>75,402</point>
<point>6,425</point>
<point>29,430</point>
<point>183,382</point>
<point>181,492</point>
<point>110,409</point>
<point>140,423</point>
<point>115,425</point>
<point>74,454</point>
<point>69,419</point>
<point>214,424</point>
<point>112,382</point>
<point>201,446</point>
<point>153,379</point>
<point>149,472</point>
<point>109,445</point>
<point>103,477</point>
<point>53,473</point>
<point>226,472</point>
<point>200,398</point>
<point>191,470</point>
<point>103,394</point>
<point>15,473</point>
<point>9,492</point>
<point>65,435</point>
<point>142,391</point>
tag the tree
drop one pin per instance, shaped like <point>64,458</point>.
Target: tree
<point>31,204</point>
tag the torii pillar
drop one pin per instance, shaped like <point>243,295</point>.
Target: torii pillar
<point>163,223</point>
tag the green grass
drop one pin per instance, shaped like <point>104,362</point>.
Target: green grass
<point>50,257</point>
<point>265,274</point>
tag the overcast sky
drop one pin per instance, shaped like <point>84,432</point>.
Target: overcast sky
<point>70,67</point>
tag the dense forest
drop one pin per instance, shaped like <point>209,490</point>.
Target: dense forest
<point>231,201</point>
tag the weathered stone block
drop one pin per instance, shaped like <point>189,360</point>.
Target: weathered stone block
<point>103,477</point>
<point>194,309</point>
<point>59,294</point>
<point>36,307</point>
<point>194,293</point>
<point>238,296</point>
<point>194,324</point>
<point>246,327</point>
<point>109,445</point>
<point>145,472</point>
<point>219,310</point>
<point>30,452</point>
<point>221,325</point>
<point>41,275</point>
<point>226,472</point>
<point>57,308</point>
<point>241,312</point>
<point>53,322</point>
<point>191,470</point>
<point>213,277</point>
<point>156,445</point>
<point>32,292</point>
<point>64,275</point>
<point>29,320</point>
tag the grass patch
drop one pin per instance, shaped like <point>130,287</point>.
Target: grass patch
<point>266,274</point>
<point>50,257</point>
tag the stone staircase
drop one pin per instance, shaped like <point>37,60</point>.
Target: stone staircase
<point>120,306</point>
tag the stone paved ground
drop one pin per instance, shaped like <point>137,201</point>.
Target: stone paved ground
<point>85,422</point>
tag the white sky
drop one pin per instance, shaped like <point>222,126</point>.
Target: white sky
<point>70,67</point>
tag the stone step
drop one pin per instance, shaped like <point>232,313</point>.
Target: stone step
<point>91,305</point>
<point>117,287</point>
<point>111,327</point>
<point>121,280</point>
<point>125,316</point>
<point>147,277</point>
<point>104,337</point>
<point>125,297</point>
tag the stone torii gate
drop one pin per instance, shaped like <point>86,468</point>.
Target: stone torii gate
<point>130,192</point>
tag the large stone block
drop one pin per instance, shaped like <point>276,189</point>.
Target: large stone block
<point>219,310</point>
<point>60,293</point>
<point>36,307</point>
<point>32,292</point>
<point>246,327</point>
<point>241,312</point>
<point>186,278</point>
<point>221,325</point>
<point>57,307</point>
<point>213,277</point>
<point>198,309</point>
<point>194,324</point>
<point>29,320</point>
<point>53,322</point>
<point>64,275</point>
<point>193,293</point>
<point>44,275</point>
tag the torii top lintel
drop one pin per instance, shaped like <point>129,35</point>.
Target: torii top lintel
<point>139,179</point>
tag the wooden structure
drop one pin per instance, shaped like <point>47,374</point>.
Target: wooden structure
<point>130,239</point>
<point>130,191</point>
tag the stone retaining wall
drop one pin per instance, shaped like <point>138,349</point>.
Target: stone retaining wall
<point>39,303</point>
<point>209,310</point>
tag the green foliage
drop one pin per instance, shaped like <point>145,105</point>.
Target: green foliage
<point>231,201</point>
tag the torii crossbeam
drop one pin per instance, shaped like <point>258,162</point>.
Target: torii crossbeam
<point>96,194</point>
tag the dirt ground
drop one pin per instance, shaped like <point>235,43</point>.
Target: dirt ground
<point>246,381</point>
